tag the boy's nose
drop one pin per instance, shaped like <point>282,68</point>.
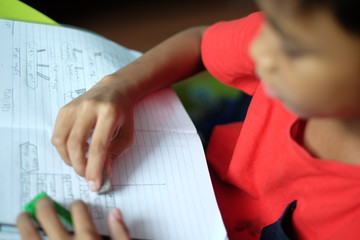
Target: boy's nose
<point>262,51</point>
<point>262,54</point>
<point>265,63</point>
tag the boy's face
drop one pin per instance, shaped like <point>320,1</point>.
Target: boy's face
<point>308,61</point>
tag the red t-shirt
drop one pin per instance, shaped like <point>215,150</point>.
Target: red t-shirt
<point>259,166</point>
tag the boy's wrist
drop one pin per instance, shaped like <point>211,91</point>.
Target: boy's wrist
<point>128,84</point>
<point>134,81</point>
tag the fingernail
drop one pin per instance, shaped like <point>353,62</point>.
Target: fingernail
<point>116,214</point>
<point>93,186</point>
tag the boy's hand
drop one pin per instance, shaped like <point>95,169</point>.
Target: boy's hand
<point>84,228</point>
<point>107,110</point>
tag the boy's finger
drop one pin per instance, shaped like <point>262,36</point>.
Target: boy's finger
<point>49,220</point>
<point>60,135</point>
<point>26,227</point>
<point>77,141</point>
<point>119,143</point>
<point>98,149</point>
<point>82,219</point>
<point>117,228</point>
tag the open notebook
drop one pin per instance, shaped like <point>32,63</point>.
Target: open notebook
<point>161,183</point>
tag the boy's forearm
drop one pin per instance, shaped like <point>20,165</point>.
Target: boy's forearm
<point>172,60</point>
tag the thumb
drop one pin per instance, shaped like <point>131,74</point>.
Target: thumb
<point>117,228</point>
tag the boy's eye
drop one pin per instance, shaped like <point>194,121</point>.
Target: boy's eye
<point>292,51</point>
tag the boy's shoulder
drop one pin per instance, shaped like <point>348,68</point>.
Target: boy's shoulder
<point>225,51</point>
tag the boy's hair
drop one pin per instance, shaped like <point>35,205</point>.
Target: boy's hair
<point>346,12</point>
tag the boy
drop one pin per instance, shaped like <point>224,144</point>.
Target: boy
<point>291,170</point>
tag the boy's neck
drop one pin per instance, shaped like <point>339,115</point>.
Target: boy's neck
<point>333,139</point>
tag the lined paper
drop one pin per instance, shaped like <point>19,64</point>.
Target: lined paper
<point>161,183</point>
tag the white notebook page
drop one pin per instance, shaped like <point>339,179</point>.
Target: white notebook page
<point>161,183</point>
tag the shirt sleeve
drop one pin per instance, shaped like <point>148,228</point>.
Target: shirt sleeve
<point>225,51</point>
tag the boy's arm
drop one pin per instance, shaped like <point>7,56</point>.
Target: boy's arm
<point>174,59</point>
<point>107,108</point>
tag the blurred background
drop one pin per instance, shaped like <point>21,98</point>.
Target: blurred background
<point>142,24</point>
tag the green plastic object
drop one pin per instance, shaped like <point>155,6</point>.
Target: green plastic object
<point>63,214</point>
<point>17,10</point>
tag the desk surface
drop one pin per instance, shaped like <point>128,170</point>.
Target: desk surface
<point>17,10</point>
